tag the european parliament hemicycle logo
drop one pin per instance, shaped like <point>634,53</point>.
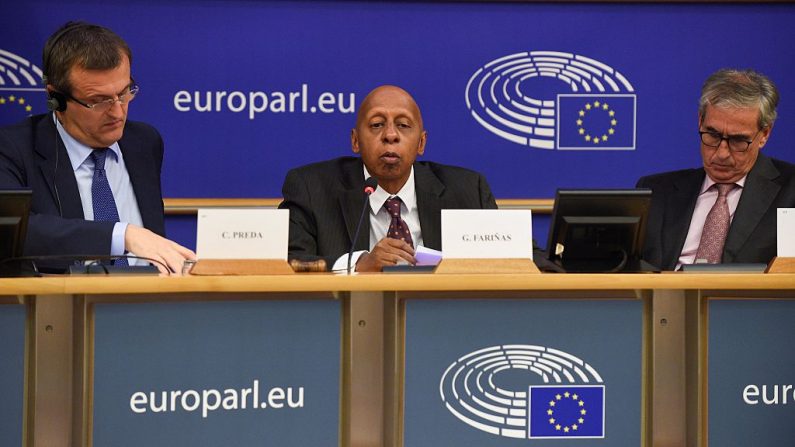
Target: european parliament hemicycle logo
<point>526,392</point>
<point>554,100</point>
<point>20,80</point>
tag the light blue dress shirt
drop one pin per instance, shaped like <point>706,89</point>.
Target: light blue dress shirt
<point>118,177</point>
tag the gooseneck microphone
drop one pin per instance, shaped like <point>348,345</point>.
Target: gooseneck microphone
<point>369,187</point>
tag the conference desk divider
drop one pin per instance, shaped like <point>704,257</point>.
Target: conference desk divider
<point>552,368</point>
<point>397,360</point>
<point>14,369</point>
<point>212,369</point>
<point>746,374</point>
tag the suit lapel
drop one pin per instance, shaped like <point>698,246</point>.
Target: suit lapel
<point>681,203</point>
<point>57,169</point>
<point>759,192</point>
<point>144,176</point>
<point>351,202</point>
<point>429,205</point>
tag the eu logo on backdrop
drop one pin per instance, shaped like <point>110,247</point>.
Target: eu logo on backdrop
<point>488,390</point>
<point>567,411</point>
<point>596,122</point>
<point>20,87</point>
<point>554,100</point>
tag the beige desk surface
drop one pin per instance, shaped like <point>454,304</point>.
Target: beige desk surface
<point>320,282</point>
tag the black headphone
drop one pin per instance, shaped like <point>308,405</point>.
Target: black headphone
<point>56,101</point>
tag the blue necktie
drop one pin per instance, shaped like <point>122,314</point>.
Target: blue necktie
<point>101,194</point>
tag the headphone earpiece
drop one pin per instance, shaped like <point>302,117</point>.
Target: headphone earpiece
<point>56,102</point>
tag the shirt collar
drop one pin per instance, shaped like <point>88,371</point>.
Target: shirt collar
<point>708,182</point>
<point>407,194</point>
<point>79,152</point>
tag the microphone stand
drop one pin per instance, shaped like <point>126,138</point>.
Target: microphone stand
<point>369,187</point>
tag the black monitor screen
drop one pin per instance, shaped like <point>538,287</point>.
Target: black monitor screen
<point>599,230</point>
<point>14,211</point>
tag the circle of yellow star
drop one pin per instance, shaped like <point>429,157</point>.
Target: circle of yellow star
<point>596,106</point>
<point>574,398</point>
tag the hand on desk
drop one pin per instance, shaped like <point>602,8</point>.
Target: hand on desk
<point>147,244</point>
<point>387,251</point>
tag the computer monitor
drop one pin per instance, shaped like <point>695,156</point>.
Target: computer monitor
<point>14,211</point>
<point>599,230</point>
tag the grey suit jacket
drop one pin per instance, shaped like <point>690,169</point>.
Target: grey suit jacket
<point>57,226</point>
<point>752,236</point>
<point>325,201</point>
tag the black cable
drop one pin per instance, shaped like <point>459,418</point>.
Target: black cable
<point>81,258</point>
<point>99,263</point>
<point>55,173</point>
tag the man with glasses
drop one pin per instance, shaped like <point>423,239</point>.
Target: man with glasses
<point>724,212</point>
<point>95,175</point>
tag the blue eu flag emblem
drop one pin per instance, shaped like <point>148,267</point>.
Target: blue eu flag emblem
<point>576,411</point>
<point>596,122</point>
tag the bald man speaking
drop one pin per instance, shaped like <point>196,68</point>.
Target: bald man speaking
<point>325,199</point>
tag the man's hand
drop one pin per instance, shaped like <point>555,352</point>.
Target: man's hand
<point>146,244</point>
<point>387,251</point>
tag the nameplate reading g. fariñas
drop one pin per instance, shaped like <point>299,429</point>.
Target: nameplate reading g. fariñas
<point>487,234</point>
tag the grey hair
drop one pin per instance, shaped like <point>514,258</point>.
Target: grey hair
<point>742,89</point>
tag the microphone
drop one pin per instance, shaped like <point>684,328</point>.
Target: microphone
<point>369,187</point>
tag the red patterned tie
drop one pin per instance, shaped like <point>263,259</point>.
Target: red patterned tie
<point>716,227</point>
<point>397,227</point>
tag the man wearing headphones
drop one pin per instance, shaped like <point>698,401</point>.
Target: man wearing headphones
<point>95,175</point>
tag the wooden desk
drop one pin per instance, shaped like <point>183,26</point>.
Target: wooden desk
<point>371,336</point>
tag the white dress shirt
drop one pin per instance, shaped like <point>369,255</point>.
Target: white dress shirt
<point>380,218</point>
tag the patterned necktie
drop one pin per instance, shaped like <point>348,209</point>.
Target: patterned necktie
<point>101,194</point>
<point>716,227</point>
<point>397,227</point>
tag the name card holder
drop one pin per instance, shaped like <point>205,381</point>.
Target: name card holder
<point>216,267</point>
<point>242,242</point>
<point>487,241</point>
<point>781,265</point>
<point>487,266</point>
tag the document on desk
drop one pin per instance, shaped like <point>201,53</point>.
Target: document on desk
<point>785,233</point>
<point>427,256</point>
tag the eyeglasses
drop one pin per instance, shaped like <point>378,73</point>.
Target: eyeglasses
<point>105,104</point>
<point>736,144</point>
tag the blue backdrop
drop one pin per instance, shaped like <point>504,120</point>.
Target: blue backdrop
<point>183,373</point>
<point>232,85</point>
<point>243,90</point>
<point>606,334</point>
<point>763,362</point>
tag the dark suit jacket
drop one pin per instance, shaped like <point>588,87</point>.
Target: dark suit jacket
<point>28,160</point>
<point>325,201</point>
<point>752,236</point>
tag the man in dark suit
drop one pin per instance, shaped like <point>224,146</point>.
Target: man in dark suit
<point>726,210</point>
<point>325,199</point>
<point>95,176</point>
